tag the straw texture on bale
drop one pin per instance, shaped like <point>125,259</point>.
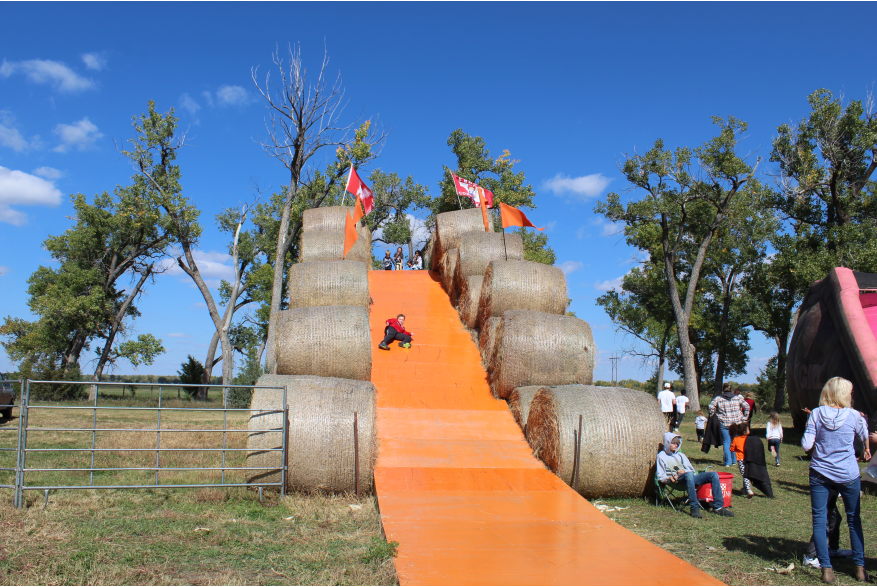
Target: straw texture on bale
<point>521,285</point>
<point>449,263</point>
<point>328,283</point>
<point>537,348</point>
<point>321,452</point>
<point>469,294</point>
<point>326,219</point>
<point>621,430</point>
<point>329,246</point>
<point>487,340</point>
<point>478,249</point>
<point>328,341</point>
<point>519,403</point>
<point>450,226</point>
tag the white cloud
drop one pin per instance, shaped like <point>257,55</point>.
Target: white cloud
<point>48,173</point>
<point>188,104</point>
<point>208,97</point>
<point>214,266</point>
<point>232,96</point>
<point>551,226</point>
<point>4,269</point>
<point>583,187</point>
<point>22,189</point>
<point>95,61</point>
<point>610,284</point>
<point>607,228</point>
<point>178,334</point>
<point>80,135</point>
<point>419,233</point>
<point>570,267</point>
<point>11,137</point>
<point>44,71</point>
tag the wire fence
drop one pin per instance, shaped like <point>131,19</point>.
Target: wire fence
<point>85,445</point>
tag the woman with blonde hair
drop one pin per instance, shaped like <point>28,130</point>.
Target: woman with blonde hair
<point>830,433</point>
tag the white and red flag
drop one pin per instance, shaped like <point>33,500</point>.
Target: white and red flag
<point>357,187</point>
<point>473,191</point>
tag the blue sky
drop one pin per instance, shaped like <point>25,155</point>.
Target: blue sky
<point>567,88</point>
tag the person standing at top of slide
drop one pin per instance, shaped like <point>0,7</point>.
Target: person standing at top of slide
<point>398,259</point>
<point>667,401</point>
<point>681,402</point>
<point>387,262</point>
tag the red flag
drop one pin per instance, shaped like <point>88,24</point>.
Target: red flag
<point>473,191</point>
<point>350,234</point>
<point>511,216</point>
<point>357,210</point>
<point>357,187</point>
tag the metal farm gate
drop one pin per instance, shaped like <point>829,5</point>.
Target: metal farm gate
<point>101,452</point>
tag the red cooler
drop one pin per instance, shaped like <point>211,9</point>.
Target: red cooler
<point>726,480</point>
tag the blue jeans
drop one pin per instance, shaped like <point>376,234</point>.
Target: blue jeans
<point>728,457</point>
<point>692,480</point>
<point>820,486</point>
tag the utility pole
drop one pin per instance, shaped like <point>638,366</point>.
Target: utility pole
<point>614,360</point>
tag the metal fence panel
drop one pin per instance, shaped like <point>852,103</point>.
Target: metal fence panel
<point>23,449</point>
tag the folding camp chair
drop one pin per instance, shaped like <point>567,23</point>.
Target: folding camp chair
<point>669,492</point>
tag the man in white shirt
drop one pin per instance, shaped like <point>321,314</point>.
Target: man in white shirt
<point>681,402</point>
<point>667,400</point>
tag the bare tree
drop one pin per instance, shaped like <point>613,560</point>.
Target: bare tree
<point>304,118</point>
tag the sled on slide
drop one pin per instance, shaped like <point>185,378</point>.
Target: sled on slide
<point>835,336</point>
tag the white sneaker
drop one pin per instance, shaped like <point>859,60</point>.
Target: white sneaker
<point>812,562</point>
<point>840,553</point>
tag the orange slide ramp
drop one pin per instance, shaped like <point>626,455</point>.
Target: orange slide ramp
<point>458,486</point>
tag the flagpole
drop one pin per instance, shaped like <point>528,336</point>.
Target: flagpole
<point>503,244</point>
<point>349,175</point>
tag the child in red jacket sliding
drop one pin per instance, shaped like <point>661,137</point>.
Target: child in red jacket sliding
<point>395,330</point>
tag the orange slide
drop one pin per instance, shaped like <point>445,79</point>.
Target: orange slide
<point>458,486</point>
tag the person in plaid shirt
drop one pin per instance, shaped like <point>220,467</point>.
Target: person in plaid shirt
<point>729,408</point>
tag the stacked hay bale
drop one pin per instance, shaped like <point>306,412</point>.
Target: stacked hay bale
<point>326,377</point>
<point>521,285</point>
<point>320,433</point>
<point>475,252</point>
<point>519,403</point>
<point>621,429</point>
<point>487,340</point>
<point>538,348</point>
<point>449,227</point>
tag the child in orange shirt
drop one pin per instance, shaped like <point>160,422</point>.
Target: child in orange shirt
<point>739,432</point>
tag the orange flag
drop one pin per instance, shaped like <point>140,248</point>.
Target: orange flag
<point>511,216</point>
<point>357,210</point>
<point>350,234</point>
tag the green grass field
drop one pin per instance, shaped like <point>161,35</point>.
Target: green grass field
<point>174,536</point>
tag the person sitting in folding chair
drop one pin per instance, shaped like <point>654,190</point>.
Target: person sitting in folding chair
<point>674,467</point>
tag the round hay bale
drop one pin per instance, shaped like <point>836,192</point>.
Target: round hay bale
<point>537,348</point>
<point>621,430</point>
<point>329,246</point>
<point>449,226</point>
<point>327,341</point>
<point>430,259</point>
<point>328,283</point>
<point>487,340</point>
<point>519,403</point>
<point>449,263</point>
<point>469,294</point>
<point>478,249</point>
<point>521,285</point>
<point>326,219</point>
<point>321,453</point>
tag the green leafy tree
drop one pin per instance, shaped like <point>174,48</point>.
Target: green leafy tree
<point>687,194</point>
<point>395,200</point>
<point>191,373</point>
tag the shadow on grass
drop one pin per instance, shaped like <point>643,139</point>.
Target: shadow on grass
<point>796,487</point>
<point>771,549</point>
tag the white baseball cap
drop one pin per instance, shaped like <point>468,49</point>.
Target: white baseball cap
<point>666,385</point>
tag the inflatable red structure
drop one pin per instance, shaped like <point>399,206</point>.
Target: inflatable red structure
<point>835,336</point>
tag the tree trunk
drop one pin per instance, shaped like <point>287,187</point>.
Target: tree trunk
<point>209,362</point>
<point>227,366</point>
<point>283,242</point>
<point>72,356</point>
<point>723,343</point>
<point>662,357</point>
<point>779,399</point>
<point>114,329</point>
